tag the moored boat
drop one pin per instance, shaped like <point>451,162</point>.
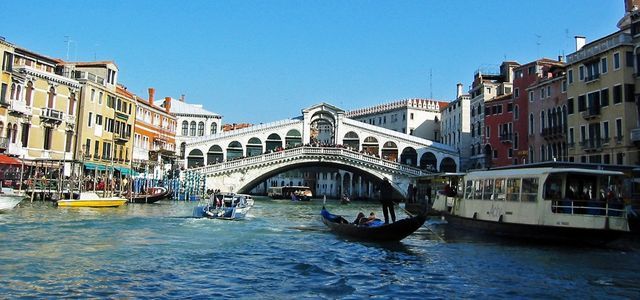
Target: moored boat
<point>91,199</point>
<point>379,232</point>
<point>555,204</point>
<point>9,199</point>
<point>153,195</point>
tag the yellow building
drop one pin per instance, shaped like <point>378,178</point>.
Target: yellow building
<point>40,108</point>
<point>105,118</point>
<point>601,100</point>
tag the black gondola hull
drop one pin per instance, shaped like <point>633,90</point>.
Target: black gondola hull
<point>386,233</point>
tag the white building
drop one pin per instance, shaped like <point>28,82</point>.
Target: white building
<point>455,125</point>
<point>193,121</point>
<point>417,117</point>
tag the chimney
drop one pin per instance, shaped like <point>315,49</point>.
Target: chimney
<point>152,92</point>
<point>560,58</point>
<point>459,92</point>
<point>580,42</point>
<point>182,98</point>
<point>167,104</point>
<point>631,5</point>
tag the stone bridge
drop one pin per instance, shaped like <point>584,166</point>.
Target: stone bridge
<point>241,159</point>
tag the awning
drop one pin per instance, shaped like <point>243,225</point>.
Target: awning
<point>126,171</point>
<point>8,160</point>
<point>92,166</point>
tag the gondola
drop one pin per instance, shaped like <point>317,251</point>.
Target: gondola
<point>384,233</point>
<point>153,195</point>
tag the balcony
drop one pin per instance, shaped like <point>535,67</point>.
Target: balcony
<point>86,76</point>
<point>121,139</point>
<point>591,145</point>
<point>635,135</point>
<point>554,132</point>
<point>4,143</point>
<point>51,115</point>
<point>19,108</point>
<point>15,149</point>
<point>122,116</point>
<point>592,78</point>
<point>591,113</point>
<point>600,46</point>
<point>506,138</point>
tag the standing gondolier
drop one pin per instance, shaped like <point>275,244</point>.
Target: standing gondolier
<point>386,193</point>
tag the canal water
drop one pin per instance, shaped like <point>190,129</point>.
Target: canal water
<point>282,251</point>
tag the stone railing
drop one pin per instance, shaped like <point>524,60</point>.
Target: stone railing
<point>320,153</point>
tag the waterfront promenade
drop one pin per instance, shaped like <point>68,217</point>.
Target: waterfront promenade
<point>282,251</point>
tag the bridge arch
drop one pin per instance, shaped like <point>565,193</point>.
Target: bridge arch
<point>273,142</point>
<point>234,150</point>
<point>370,145</point>
<point>215,155</point>
<point>254,147</point>
<point>409,156</point>
<point>428,161</point>
<point>195,159</point>
<point>351,140</point>
<point>390,151</point>
<point>293,139</point>
<point>447,164</point>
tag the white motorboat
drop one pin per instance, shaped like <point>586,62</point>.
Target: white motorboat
<point>9,199</point>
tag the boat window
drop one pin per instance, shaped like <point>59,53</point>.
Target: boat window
<point>513,189</point>
<point>500,189</point>
<point>477,189</point>
<point>553,187</point>
<point>488,189</point>
<point>529,189</point>
<point>469,191</point>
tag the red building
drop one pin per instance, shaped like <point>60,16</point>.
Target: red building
<point>498,122</point>
<point>524,76</point>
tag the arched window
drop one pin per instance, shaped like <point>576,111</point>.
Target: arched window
<point>201,129</point>
<point>193,128</point>
<point>214,128</point>
<point>13,91</point>
<point>18,92</point>
<point>52,95</point>
<point>185,128</point>
<point>14,133</point>
<point>72,103</point>
<point>9,132</point>
<point>27,96</point>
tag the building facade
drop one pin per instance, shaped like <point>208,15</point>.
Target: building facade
<point>455,125</point>
<point>601,103</point>
<point>193,121</point>
<point>498,131</point>
<point>154,137</point>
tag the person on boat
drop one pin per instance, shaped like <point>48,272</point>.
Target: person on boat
<point>359,218</point>
<point>386,193</point>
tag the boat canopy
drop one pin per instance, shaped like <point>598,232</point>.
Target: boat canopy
<point>537,172</point>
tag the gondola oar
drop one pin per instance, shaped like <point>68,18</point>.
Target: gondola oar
<point>428,228</point>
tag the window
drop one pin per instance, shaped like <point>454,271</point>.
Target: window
<point>48,131</point>
<point>605,130</point>
<point>629,93</point>
<point>89,120</point>
<point>581,73</point>
<point>488,131</point>
<point>629,59</point>
<point>510,153</point>
<point>185,128</point>
<point>563,86</point>
<point>25,134</point>
<point>571,137</point>
<point>99,120</point>
<point>93,95</point>
<point>616,61</point>
<point>532,70</point>
<point>67,145</point>
<point>603,65</point>
<point>531,124</point>
<point>516,93</point>
<point>214,128</point>
<point>529,189</point>
<point>570,106</point>
<point>549,91</point>
<point>509,107</point>
<point>192,128</point>
<point>516,113</point>
<point>617,94</point>
<point>582,103</point>
<point>513,189</point>
<point>411,116</point>
<point>201,129</point>
<point>604,97</point>
<point>618,130</point>
<point>542,93</point>
<point>530,96</point>
<point>570,76</point>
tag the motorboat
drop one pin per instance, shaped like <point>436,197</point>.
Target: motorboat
<point>9,199</point>
<point>91,199</point>
<point>153,194</point>
<point>229,206</point>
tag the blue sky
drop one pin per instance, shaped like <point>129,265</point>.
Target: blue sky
<point>263,61</point>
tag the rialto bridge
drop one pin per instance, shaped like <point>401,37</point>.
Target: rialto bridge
<point>241,159</point>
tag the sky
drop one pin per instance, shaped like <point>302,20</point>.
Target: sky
<point>264,61</point>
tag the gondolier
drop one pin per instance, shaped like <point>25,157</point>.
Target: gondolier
<point>386,194</point>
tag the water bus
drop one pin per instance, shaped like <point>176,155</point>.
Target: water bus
<point>546,203</point>
<point>301,193</point>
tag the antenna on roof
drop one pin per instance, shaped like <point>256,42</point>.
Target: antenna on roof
<point>67,39</point>
<point>430,84</point>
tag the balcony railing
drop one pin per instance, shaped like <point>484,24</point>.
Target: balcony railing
<point>553,132</point>
<point>121,138</point>
<point>19,108</point>
<point>635,135</point>
<point>50,114</point>
<point>590,145</point>
<point>506,138</point>
<point>592,78</point>
<point>81,75</point>
<point>591,113</point>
